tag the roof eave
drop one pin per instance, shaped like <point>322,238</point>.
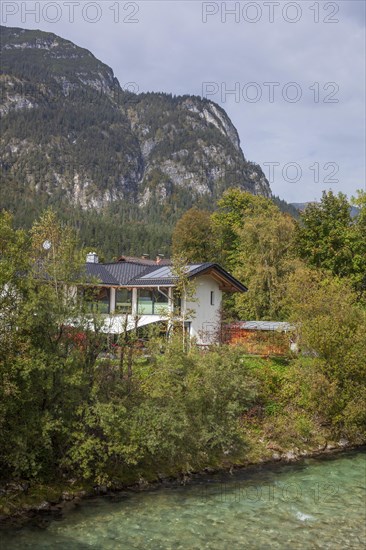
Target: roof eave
<point>234,284</point>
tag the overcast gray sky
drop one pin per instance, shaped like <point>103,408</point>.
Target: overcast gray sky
<point>295,70</point>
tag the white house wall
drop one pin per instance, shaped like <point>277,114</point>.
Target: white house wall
<point>205,321</point>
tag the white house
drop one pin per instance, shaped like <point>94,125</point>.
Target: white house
<point>138,291</point>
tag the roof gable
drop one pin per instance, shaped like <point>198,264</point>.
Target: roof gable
<point>131,274</point>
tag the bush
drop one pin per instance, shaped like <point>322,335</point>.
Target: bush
<point>182,411</point>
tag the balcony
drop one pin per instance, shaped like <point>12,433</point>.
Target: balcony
<point>153,302</point>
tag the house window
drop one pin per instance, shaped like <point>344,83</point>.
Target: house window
<point>153,302</point>
<point>123,300</point>
<point>161,302</point>
<point>212,298</point>
<point>145,302</point>
<point>97,299</point>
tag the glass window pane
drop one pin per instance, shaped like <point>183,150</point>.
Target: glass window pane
<point>153,302</point>
<point>123,301</point>
<point>161,305</point>
<point>145,302</point>
<point>97,299</point>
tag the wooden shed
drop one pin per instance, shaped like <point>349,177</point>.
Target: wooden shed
<point>261,337</point>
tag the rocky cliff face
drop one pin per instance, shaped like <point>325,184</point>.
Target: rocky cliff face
<point>71,134</point>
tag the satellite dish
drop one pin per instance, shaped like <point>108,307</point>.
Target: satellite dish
<point>47,245</point>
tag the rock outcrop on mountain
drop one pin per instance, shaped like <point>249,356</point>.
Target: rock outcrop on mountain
<point>73,138</point>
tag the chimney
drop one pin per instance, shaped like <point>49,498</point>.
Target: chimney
<point>159,257</point>
<point>92,258</point>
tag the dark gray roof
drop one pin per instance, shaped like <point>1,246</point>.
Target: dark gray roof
<point>125,272</point>
<point>116,273</point>
<point>133,274</point>
<point>99,273</point>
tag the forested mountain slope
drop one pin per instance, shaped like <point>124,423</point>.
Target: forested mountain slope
<point>72,138</point>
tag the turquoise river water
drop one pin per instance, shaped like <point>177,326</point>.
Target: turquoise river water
<point>310,505</point>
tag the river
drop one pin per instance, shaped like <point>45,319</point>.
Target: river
<point>319,503</point>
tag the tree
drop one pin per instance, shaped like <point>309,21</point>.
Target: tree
<point>184,410</point>
<point>193,237</point>
<point>14,259</point>
<point>255,240</point>
<point>328,237</point>
<point>233,208</point>
<point>323,234</point>
<point>184,292</point>
<point>332,327</point>
<point>47,352</point>
<point>358,234</point>
<point>263,259</point>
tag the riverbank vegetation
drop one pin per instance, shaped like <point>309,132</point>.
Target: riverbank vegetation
<point>71,414</point>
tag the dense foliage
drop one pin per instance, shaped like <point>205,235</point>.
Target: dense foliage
<point>44,373</point>
<point>332,326</point>
<point>64,408</point>
<point>181,411</point>
<point>71,410</point>
<point>193,236</point>
<point>311,273</point>
<point>263,246</point>
<point>331,238</point>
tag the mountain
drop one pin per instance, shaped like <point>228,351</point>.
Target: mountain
<point>122,166</point>
<point>300,206</point>
<point>285,207</point>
